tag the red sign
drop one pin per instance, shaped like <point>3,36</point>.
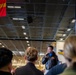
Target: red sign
<point>2,8</point>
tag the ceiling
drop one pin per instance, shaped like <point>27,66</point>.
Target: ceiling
<point>45,21</point>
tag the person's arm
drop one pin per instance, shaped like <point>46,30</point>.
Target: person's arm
<point>53,71</point>
<point>45,59</point>
<point>50,72</point>
<point>56,70</point>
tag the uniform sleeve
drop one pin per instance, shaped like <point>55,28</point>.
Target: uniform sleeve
<point>44,60</point>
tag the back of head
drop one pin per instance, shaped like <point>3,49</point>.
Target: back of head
<point>31,54</point>
<point>5,57</point>
<point>70,50</point>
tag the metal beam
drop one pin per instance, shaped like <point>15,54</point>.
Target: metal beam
<point>47,40</point>
<point>39,15</point>
<point>38,26</point>
<point>23,3</point>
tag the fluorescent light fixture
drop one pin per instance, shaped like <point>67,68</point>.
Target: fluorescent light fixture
<point>3,46</point>
<point>24,33</point>
<point>26,37</point>
<point>73,21</point>
<point>18,18</point>
<point>23,27</point>
<point>21,18</point>
<point>10,6</point>
<point>28,44</point>
<point>61,39</point>
<point>0,43</point>
<point>14,7</point>
<point>15,18</point>
<point>64,34</point>
<point>68,29</point>
<point>17,6</point>
<point>27,41</point>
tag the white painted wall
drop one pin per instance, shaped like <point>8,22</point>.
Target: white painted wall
<point>59,46</point>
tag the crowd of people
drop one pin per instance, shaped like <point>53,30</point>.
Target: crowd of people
<point>52,66</point>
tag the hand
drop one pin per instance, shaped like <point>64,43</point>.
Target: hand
<point>47,53</point>
<point>52,58</point>
<point>46,57</point>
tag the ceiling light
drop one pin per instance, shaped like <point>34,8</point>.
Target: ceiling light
<point>28,44</point>
<point>61,39</point>
<point>27,41</point>
<point>0,43</point>
<point>21,18</point>
<point>3,46</point>
<point>14,7</point>
<point>15,18</point>
<point>10,6</point>
<point>24,33</point>
<point>73,21</point>
<point>64,34</point>
<point>23,27</point>
<point>17,6</point>
<point>18,18</point>
<point>68,29</point>
<point>26,37</point>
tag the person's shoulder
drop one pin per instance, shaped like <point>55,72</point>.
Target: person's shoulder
<point>40,72</point>
<point>53,53</point>
<point>20,68</point>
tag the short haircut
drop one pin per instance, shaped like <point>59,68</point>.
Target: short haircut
<point>31,54</point>
<point>70,50</point>
<point>51,47</point>
<point>5,57</point>
<point>70,47</point>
